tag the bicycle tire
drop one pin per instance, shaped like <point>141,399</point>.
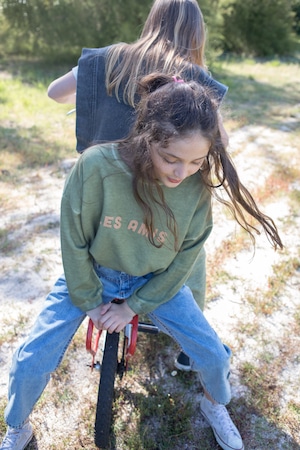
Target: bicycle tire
<point>106,390</point>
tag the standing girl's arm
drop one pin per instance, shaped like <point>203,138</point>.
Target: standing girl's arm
<point>63,89</point>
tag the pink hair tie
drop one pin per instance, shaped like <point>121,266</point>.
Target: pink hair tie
<point>177,80</point>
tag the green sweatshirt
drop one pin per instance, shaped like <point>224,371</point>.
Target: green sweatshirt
<point>101,221</point>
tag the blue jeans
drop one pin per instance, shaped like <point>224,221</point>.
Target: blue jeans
<point>59,320</point>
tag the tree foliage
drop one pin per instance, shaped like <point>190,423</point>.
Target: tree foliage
<point>63,27</point>
<point>258,27</point>
<point>296,11</point>
<point>59,29</point>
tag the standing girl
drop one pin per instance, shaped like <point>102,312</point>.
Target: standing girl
<point>134,217</point>
<point>105,83</point>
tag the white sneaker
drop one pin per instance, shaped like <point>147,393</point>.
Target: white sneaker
<point>17,438</point>
<point>225,431</point>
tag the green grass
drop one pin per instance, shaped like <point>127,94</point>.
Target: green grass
<point>34,130</point>
<point>257,97</point>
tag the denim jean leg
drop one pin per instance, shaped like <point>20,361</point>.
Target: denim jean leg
<point>183,320</point>
<point>41,353</point>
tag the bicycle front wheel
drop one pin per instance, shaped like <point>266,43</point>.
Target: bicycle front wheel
<point>106,390</point>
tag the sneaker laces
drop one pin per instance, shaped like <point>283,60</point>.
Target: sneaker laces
<point>223,418</point>
<point>11,436</point>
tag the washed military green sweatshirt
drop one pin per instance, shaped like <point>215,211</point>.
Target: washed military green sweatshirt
<point>102,222</point>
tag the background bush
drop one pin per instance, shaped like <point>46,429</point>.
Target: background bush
<point>259,28</point>
<point>58,29</point>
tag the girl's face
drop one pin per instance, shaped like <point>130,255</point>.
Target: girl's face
<point>182,158</point>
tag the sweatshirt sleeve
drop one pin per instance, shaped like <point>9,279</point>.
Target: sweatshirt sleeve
<point>84,286</point>
<point>162,287</point>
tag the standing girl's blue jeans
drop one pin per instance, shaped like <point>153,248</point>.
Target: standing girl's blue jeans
<point>56,325</point>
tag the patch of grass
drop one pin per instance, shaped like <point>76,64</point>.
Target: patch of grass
<point>263,378</point>
<point>255,95</point>
<point>282,272</point>
<point>215,272</point>
<point>263,385</point>
<point>267,302</point>
<point>5,244</point>
<point>277,184</point>
<point>262,303</point>
<point>3,425</point>
<point>37,132</point>
<point>245,330</point>
<point>11,330</point>
<point>161,418</point>
<point>187,380</point>
<point>297,317</point>
<point>295,408</point>
<point>30,71</point>
<point>295,200</point>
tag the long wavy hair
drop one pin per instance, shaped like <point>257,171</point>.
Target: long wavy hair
<point>173,37</point>
<point>170,110</point>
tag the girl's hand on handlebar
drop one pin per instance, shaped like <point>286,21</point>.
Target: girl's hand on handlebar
<point>111,317</point>
<point>95,315</point>
<point>114,316</point>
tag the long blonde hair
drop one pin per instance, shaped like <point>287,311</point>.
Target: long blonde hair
<point>172,38</point>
